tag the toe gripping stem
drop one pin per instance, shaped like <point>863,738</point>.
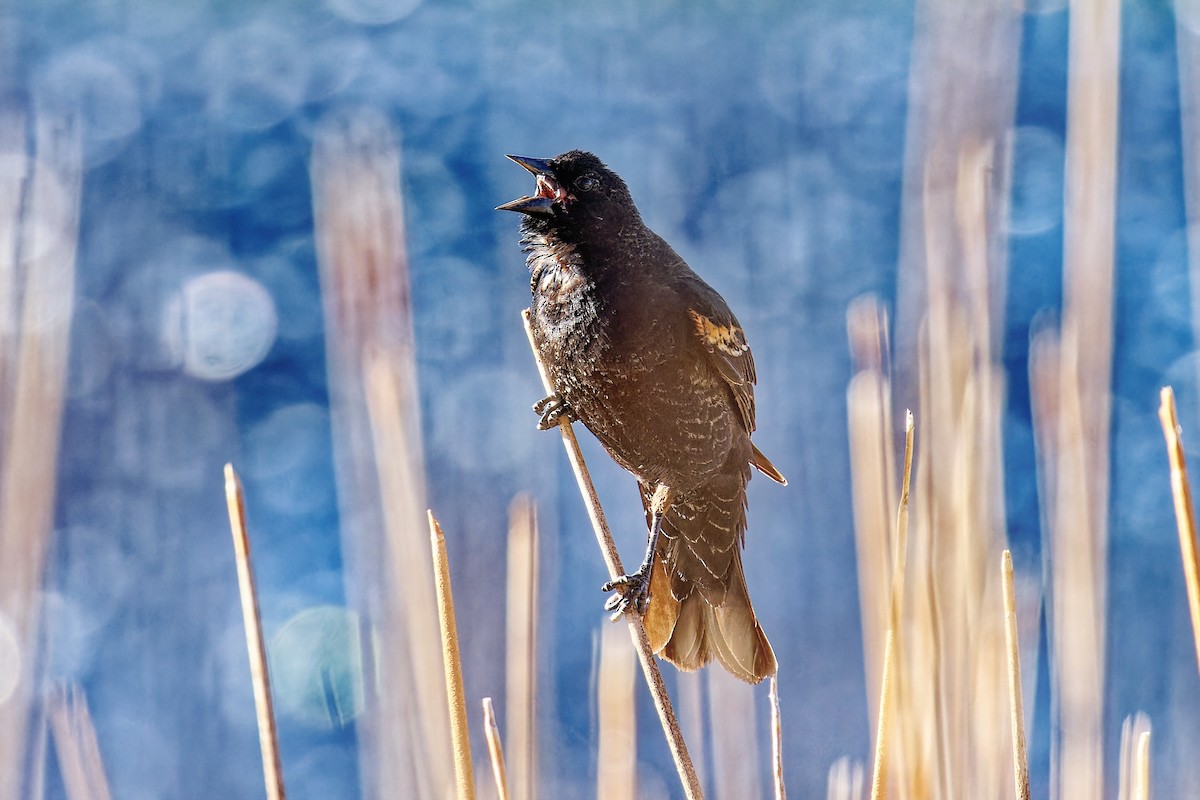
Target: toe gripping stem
<point>550,410</point>
<point>632,591</point>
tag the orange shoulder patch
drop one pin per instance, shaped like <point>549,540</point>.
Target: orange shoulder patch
<point>726,338</point>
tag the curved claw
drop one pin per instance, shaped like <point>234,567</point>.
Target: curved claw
<point>550,410</point>
<point>632,594</point>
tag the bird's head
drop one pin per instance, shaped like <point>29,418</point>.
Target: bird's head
<point>574,190</point>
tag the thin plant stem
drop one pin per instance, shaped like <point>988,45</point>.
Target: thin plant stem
<point>260,675</point>
<point>495,748</point>
<point>1141,771</point>
<point>1015,703</point>
<point>879,774</point>
<point>1185,517</point>
<point>777,741</point>
<point>641,643</point>
<point>460,736</point>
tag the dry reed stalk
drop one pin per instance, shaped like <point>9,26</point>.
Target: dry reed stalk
<point>844,781</point>
<point>404,739</point>
<point>1016,707</point>
<point>1185,517</point>
<point>40,232</point>
<point>733,731</point>
<point>961,391</point>
<point>879,772</point>
<point>495,749</point>
<point>38,755</point>
<point>949,696</point>
<point>869,416</point>
<point>79,761</point>
<point>260,674</point>
<point>460,734</point>
<point>1044,371</point>
<point>1080,534</point>
<point>616,759</point>
<point>521,647</point>
<point>15,166</point>
<point>956,104</point>
<point>1141,770</point>
<point>612,559</point>
<point>1077,594</point>
<point>777,741</point>
<point>401,489</point>
<point>689,697</point>
<point>879,779</point>
<point>1133,774</point>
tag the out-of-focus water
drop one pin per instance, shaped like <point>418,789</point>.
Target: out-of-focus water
<point>764,140</point>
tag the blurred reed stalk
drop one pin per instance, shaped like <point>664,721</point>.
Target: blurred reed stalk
<point>869,416</point>
<point>40,189</point>
<point>690,699</point>
<point>733,731</point>
<point>1133,777</point>
<point>79,762</point>
<point>495,749</point>
<point>260,673</point>
<point>1185,517</point>
<point>1015,704</point>
<point>521,662</point>
<point>777,742</point>
<point>460,735</point>
<point>1078,433</point>
<point>845,780</point>
<point>879,777</point>
<point>612,559</point>
<point>404,736</point>
<point>616,757</point>
<point>949,699</point>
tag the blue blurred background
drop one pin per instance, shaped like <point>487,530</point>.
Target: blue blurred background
<point>764,140</point>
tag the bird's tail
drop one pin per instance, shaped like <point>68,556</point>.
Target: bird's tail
<point>699,606</point>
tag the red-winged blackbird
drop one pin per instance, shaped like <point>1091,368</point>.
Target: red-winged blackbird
<point>650,358</point>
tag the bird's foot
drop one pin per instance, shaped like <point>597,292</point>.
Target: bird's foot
<point>552,409</point>
<point>632,594</point>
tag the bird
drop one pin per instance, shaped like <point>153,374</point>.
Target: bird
<point>649,357</point>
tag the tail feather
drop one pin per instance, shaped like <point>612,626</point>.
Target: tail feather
<point>741,645</point>
<point>699,606</point>
<point>764,465</point>
<point>696,633</point>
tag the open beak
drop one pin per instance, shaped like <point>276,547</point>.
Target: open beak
<point>538,166</point>
<point>548,193</point>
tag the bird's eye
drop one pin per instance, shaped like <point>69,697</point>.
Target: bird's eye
<point>587,183</point>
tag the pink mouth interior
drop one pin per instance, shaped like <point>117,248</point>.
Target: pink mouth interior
<point>547,187</point>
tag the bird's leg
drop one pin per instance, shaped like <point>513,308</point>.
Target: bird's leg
<point>550,410</point>
<point>633,590</point>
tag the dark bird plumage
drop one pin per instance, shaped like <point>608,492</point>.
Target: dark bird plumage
<point>650,358</point>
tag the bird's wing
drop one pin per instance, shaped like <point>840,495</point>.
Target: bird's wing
<point>723,339</point>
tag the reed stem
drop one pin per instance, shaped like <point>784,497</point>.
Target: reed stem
<point>1185,517</point>
<point>260,674</point>
<point>1015,703</point>
<point>460,736</point>
<point>495,748</point>
<point>608,548</point>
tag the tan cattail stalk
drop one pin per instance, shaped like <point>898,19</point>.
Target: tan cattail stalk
<point>1016,706</point>
<point>616,760</point>
<point>260,674</point>
<point>460,735</point>
<point>1185,517</point>
<point>521,663</point>
<point>495,749</point>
